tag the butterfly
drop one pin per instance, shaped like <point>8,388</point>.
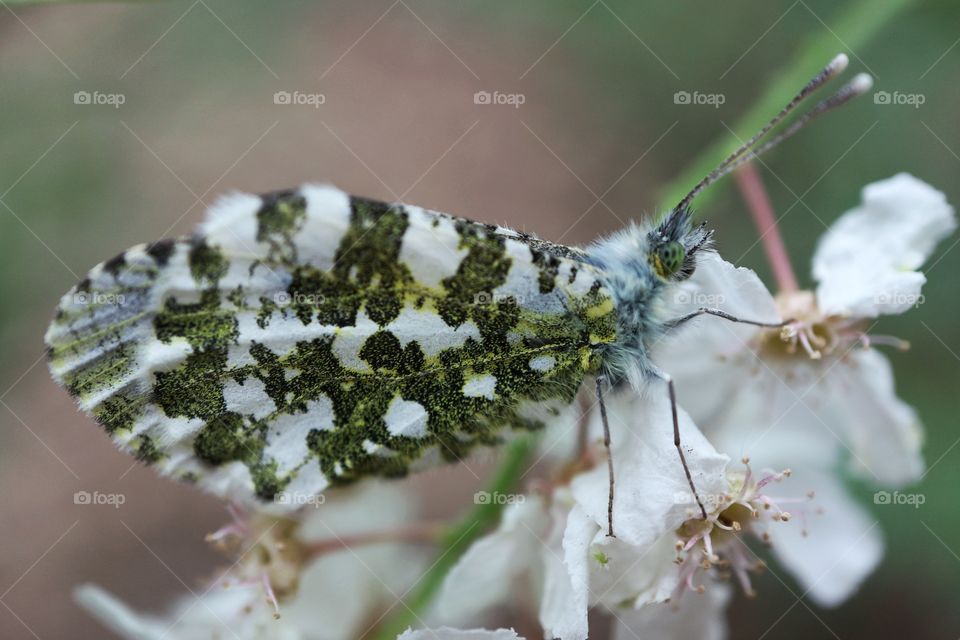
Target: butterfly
<point>305,339</point>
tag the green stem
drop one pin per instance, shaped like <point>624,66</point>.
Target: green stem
<point>458,540</point>
<point>856,24</point>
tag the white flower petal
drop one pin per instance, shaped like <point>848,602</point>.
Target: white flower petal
<point>366,575</point>
<point>698,355</point>
<point>484,575</point>
<point>718,284</point>
<point>116,615</point>
<point>560,437</point>
<point>801,414</point>
<point>633,574</point>
<point>650,480</point>
<point>446,633</point>
<point>842,545</point>
<point>849,410</point>
<point>775,423</point>
<point>696,615</point>
<point>884,432</point>
<point>237,612</point>
<point>563,610</point>
<point>867,261</point>
<point>360,508</point>
<point>339,591</point>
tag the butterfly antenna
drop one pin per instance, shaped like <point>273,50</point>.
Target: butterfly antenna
<point>741,155</point>
<point>860,84</point>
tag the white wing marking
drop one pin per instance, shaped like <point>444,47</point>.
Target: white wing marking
<point>249,398</point>
<point>542,363</point>
<point>287,434</point>
<point>326,222</point>
<point>406,418</point>
<point>482,386</point>
<point>429,330</point>
<point>434,255</point>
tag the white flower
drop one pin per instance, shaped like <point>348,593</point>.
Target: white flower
<point>663,549</point>
<point>331,596</point>
<point>812,393</point>
<point>816,373</point>
<point>816,531</point>
<point>558,543</point>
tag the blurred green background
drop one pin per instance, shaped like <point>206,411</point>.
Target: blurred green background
<point>80,182</point>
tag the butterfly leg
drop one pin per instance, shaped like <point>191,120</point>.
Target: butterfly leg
<point>606,443</point>
<point>673,393</point>
<point>583,426</point>
<point>676,438</point>
<point>726,316</point>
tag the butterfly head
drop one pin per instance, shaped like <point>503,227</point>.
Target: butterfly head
<point>674,243</point>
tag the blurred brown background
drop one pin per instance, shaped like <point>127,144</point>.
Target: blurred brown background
<point>598,134</point>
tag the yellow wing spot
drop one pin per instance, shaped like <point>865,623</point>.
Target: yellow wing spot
<point>585,358</point>
<point>598,339</point>
<point>600,310</point>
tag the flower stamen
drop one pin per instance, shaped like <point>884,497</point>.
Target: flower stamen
<point>719,535</point>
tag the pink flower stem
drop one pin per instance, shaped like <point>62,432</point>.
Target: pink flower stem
<point>754,193</point>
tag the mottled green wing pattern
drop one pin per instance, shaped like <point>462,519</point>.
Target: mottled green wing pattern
<point>306,338</point>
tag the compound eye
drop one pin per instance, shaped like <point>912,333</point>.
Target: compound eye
<point>671,257</point>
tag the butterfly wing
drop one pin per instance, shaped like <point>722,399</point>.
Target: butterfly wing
<point>308,338</point>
